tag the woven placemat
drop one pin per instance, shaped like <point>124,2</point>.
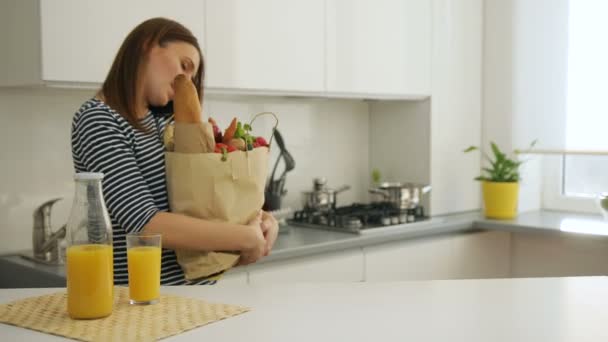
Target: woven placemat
<point>171,316</point>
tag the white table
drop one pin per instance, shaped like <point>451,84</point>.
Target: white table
<point>542,309</point>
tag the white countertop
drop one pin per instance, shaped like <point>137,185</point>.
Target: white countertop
<point>541,309</point>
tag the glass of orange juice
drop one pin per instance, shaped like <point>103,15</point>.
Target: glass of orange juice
<point>143,262</point>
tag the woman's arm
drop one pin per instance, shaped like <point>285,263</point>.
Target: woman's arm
<point>184,232</point>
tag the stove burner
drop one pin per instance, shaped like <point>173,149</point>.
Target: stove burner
<point>355,217</point>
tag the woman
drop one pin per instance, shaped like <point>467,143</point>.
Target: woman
<point>117,133</point>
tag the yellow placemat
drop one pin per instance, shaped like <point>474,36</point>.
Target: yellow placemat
<point>171,316</point>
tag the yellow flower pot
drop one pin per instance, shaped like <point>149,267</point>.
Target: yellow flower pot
<point>500,199</point>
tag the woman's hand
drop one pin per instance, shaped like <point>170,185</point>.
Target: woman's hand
<point>270,229</point>
<point>258,242</point>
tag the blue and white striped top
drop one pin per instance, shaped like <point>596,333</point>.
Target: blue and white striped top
<point>134,185</point>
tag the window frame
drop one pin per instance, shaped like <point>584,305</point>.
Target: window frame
<point>553,195</point>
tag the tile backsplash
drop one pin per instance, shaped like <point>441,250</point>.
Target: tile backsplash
<point>327,138</point>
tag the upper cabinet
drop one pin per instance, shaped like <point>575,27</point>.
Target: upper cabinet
<point>274,45</point>
<point>379,47</point>
<point>343,48</point>
<point>76,41</point>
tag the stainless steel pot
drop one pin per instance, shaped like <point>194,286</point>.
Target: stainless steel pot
<point>401,195</point>
<point>321,198</point>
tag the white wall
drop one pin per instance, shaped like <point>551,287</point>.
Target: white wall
<point>524,77</point>
<point>326,137</point>
<point>455,104</point>
<point>400,141</point>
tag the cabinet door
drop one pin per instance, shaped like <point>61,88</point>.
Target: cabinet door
<point>81,38</point>
<point>345,266</point>
<point>546,255</point>
<point>482,255</point>
<point>265,44</point>
<point>419,259</point>
<point>380,46</point>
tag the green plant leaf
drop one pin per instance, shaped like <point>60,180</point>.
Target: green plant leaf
<point>376,176</point>
<point>497,153</point>
<point>502,168</point>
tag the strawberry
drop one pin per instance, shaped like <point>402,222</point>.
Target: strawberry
<point>261,142</point>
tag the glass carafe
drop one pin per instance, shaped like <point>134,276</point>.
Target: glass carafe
<point>89,260</point>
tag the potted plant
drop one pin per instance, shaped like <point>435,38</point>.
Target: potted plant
<point>500,182</point>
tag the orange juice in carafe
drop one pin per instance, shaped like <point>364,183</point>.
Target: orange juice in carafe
<point>89,259</point>
<point>90,280</point>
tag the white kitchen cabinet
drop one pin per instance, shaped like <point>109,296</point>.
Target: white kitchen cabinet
<point>66,41</point>
<point>545,255</point>
<point>480,255</point>
<point>379,47</point>
<point>343,266</point>
<point>418,259</point>
<point>268,45</point>
<point>471,255</point>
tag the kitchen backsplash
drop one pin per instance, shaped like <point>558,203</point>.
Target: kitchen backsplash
<point>327,138</point>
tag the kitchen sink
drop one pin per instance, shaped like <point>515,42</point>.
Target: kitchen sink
<point>18,272</point>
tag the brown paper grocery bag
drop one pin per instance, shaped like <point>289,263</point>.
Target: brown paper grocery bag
<point>203,185</point>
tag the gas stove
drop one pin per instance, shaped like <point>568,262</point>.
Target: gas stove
<point>359,218</point>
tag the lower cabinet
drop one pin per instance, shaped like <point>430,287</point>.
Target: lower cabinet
<point>472,255</point>
<point>418,259</point>
<point>342,266</point>
<point>468,255</point>
<point>482,254</point>
<point>543,255</point>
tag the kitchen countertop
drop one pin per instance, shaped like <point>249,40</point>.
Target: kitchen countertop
<point>304,241</point>
<point>300,241</point>
<point>533,309</point>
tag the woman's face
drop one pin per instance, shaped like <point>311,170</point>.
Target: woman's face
<point>164,63</point>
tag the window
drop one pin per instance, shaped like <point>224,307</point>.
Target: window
<point>580,178</point>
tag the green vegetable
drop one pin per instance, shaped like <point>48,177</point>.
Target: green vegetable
<point>376,176</point>
<point>224,154</point>
<point>243,131</point>
<point>502,168</point>
<point>240,132</point>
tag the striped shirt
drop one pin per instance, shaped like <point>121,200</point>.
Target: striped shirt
<point>134,185</point>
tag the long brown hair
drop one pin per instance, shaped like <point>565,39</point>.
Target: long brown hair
<point>120,89</point>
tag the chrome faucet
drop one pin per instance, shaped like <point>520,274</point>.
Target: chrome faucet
<point>45,241</point>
